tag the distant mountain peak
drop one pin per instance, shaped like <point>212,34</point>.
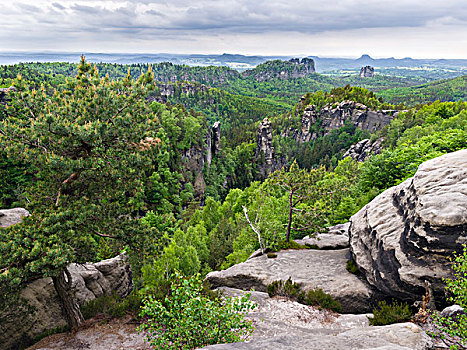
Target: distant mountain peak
<point>366,58</point>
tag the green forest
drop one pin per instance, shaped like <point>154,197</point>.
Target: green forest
<point>115,158</point>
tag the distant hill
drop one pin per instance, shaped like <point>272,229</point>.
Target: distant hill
<point>235,61</point>
<point>443,90</point>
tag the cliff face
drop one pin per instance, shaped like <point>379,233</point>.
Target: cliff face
<point>334,116</point>
<point>277,69</point>
<point>367,72</point>
<point>267,160</point>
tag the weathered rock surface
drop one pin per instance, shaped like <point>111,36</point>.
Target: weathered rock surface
<point>10,217</point>
<point>119,334</point>
<point>89,282</point>
<point>284,324</point>
<point>367,72</point>
<point>362,150</point>
<point>334,116</point>
<point>312,268</point>
<point>403,237</point>
<point>267,161</point>
<point>336,238</point>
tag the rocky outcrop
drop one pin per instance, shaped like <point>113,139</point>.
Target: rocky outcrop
<point>277,69</point>
<point>334,116</point>
<point>213,140</point>
<point>4,93</point>
<point>216,138</point>
<point>337,237</point>
<point>404,236</point>
<point>107,277</point>
<point>10,217</point>
<point>264,149</point>
<point>367,72</point>
<point>362,150</point>
<point>284,324</point>
<point>312,268</point>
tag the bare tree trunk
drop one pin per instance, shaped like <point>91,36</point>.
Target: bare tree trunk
<point>255,229</point>
<point>62,284</point>
<point>289,225</point>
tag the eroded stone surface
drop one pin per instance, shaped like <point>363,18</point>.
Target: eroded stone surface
<point>10,217</point>
<point>312,268</point>
<point>284,324</point>
<point>403,237</point>
<point>107,277</point>
<point>337,237</point>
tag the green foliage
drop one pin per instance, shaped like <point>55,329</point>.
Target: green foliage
<point>290,245</point>
<point>186,319</point>
<point>386,314</point>
<point>352,267</point>
<point>430,137</point>
<point>90,150</point>
<point>272,255</point>
<point>455,327</point>
<point>316,297</point>
<point>453,89</point>
<point>323,300</point>
<point>112,306</point>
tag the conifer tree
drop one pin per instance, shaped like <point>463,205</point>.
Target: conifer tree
<point>91,143</point>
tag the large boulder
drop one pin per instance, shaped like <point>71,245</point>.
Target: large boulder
<point>337,237</point>
<point>323,269</point>
<point>107,277</point>
<point>404,236</point>
<point>284,324</point>
<point>10,217</point>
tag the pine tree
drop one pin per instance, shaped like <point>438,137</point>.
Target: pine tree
<point>91,143</point>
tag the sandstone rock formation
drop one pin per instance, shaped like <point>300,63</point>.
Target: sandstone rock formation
<point>337,237</point>
<point>107,277</point>
<point>10,217</point>
<point>403,237</point>
<point>4,93</point>
<point>285,324</point>
<point>213,142</point>
<point>334,116</point>
<point>264,148</point>
<point>362,150</point>
<point>312,268</point>
<point>367,72</point>
<point>277,69</point>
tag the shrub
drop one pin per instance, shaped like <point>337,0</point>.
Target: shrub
<point>319,298</point>
<point>112,306</point>
<point>186,319</point>
<point>386,314</point>
<point>287,289</point>
<point>455,328</point>
<point>352,267</point>
<point>316,297</point>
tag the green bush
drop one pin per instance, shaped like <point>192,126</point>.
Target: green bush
<point>316,297</point>
<point>352,267</point>
<point>287,289</point>
<point>386,314</point>
<point>455,327</point>
<point>186,319</point>
<point>112,306</point>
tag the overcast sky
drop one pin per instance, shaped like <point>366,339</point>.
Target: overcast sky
<point>345,28</point>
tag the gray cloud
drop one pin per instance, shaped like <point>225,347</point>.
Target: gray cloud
<point>144,20</point>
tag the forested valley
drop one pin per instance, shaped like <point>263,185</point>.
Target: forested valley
<point>189,170</point>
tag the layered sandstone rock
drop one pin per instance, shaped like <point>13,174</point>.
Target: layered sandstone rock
<point>405,235</point>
